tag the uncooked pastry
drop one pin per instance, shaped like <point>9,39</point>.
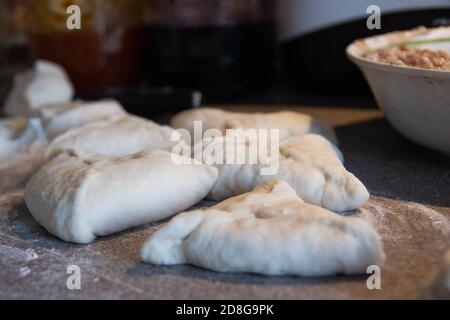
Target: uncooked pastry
<point>269,231</point>
<point>45,83</point>
<point>309,163</point>
<point>60,117</point>
<point>289,123</point>
<point>20,134</point>
<point>116,136</point>
<point>78,197</point>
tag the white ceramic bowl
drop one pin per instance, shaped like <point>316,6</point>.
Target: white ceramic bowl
<point>415,101</point>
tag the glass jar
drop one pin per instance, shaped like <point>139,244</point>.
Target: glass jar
<point>105,53</point>
<point>14,55</point>
<point>217,46</point>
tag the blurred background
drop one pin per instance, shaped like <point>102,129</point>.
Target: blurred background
<point>149,54</point>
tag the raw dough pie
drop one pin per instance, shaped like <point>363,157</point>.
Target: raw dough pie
<point>309,163</point>
<point>289,123</point>
<point>116,136</point>
<point>79,197</point>
<point>60,117</point>
<point>268,231</point>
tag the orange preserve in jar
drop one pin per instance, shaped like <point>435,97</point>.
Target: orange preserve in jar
<point>104,53</point>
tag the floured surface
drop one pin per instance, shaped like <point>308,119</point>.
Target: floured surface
<point>410,209</point>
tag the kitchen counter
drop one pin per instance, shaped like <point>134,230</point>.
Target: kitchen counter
<point>409,206</point>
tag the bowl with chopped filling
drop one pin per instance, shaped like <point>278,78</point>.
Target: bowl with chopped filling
<point>409,74</point>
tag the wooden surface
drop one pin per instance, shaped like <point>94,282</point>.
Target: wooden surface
<point>409,206</point>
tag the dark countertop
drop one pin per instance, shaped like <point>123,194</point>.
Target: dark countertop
<point>409,206</point>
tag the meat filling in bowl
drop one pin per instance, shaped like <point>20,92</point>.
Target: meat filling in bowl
<point>412,57</point>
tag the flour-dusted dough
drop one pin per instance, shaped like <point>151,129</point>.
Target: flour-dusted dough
<point>116,136</point>
<point>289,123</point>
<point>20,134</point>
<point>79,197</point>
<point>309,163</point>
<point>60,117</point>
<point>439,287</point>
<point>45,83</point>
<point>268,231</point>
